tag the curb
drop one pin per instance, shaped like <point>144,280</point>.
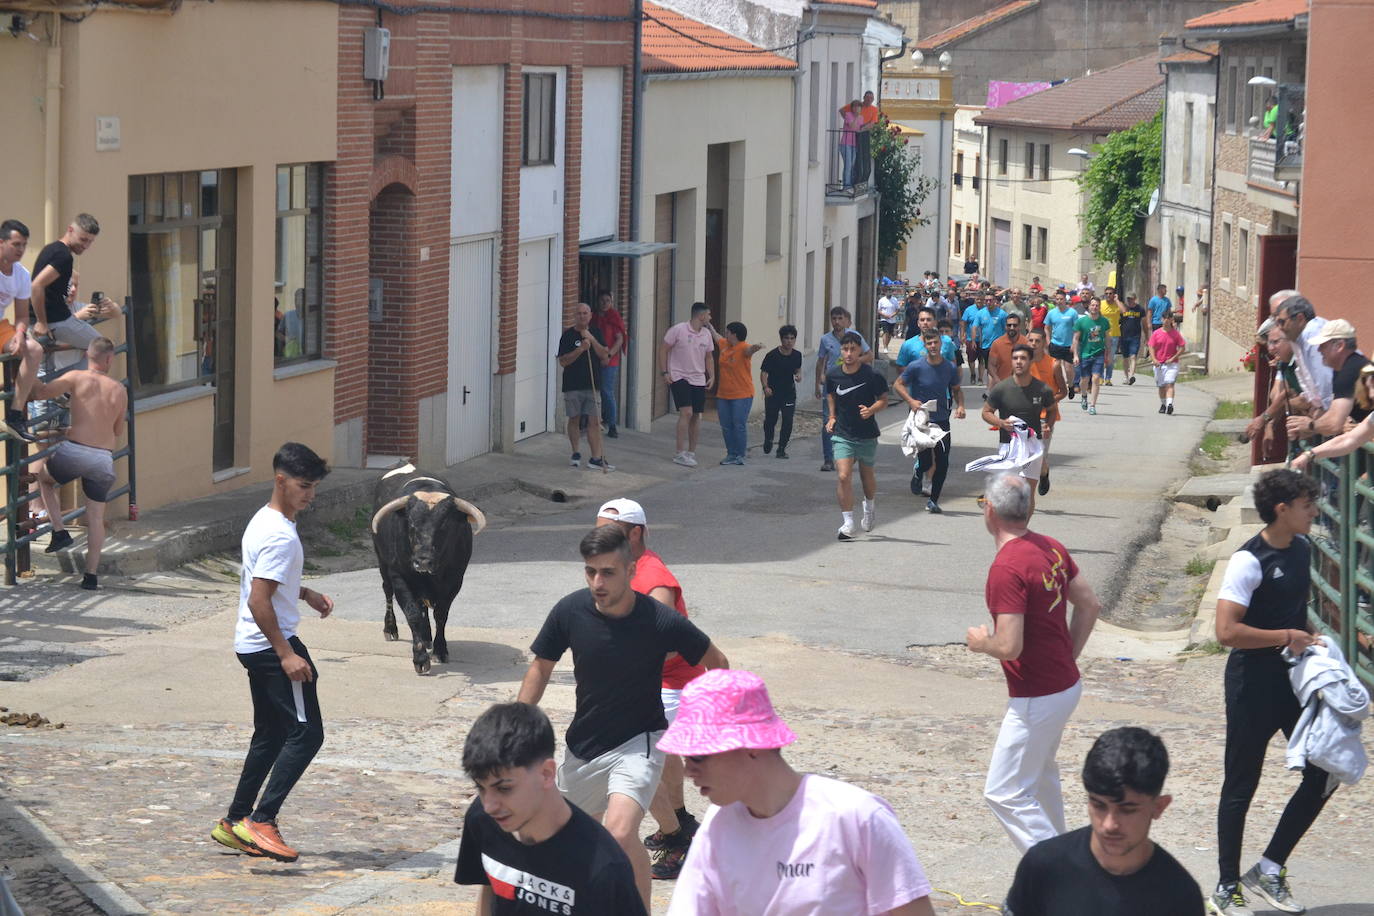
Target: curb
<point>342,897</point>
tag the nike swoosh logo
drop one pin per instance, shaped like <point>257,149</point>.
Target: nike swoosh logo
<point>847,390</point>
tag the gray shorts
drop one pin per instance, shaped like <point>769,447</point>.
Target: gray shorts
<point>95,467</point>
<point>632,770</point>
<point>75,333</point>
<point>583,403</point>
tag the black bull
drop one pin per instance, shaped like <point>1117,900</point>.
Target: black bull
<point>422,533</point>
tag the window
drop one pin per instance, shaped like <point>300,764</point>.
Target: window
<point>1188,143</point>
<point>1025,242</point>
<point>772,245</point>
<point>977,245</point>
<point>297,330</point>
<point>977,171</point>
<point>540,100</point>
<point>1208,138</point>
<point>1002,151</point>
<point>181,276</point>
<point>958,237</point>
<point>1030,160</point>
<point>958,170</point>
<point>968,241</point>
<point>1226,249</point>
<point>1232,78</point>
<point>1044,162</point>
<point>1043,246</point>
<point>1249,94</point>
<point>813,143</point>
<point>1243,259</point>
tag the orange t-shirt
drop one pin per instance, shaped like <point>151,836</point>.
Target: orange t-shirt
<point>869,113</point>
<point>736,377</point>
<point>1044,369</point>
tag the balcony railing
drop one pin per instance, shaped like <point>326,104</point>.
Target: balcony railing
<point>851,164</point>
<point>1260,171</point>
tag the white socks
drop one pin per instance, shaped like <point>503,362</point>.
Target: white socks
<point>1169,402</point>
<point>848,517</point>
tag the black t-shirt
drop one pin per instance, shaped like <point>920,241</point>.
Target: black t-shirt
<point>1011,400</point>
<point>781,371</point>
<point>1271,584</point>
<point>618,666</point>
<point>970,266</point>
<point>851,392</point>
<point>59,257</point>
<point>1060,877</point>
<point>1131,319</point>
<point>579,871</point>
<point>577,376</point>
<point>1344,380</point>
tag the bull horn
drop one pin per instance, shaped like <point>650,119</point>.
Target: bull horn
<point>394,506</point>
<point>474,514</point>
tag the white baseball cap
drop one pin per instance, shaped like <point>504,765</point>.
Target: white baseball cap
<point>623,510</point>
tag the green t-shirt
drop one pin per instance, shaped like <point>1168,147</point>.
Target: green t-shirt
<point>1271,116</point>
<point>1092,335</point>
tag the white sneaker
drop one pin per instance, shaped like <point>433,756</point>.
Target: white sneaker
<point>684,459</point>
<point>870,515</point>
<point>847,531</point>
<point>692,457</point>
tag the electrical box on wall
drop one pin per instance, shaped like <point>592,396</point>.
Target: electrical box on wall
<point>376,53</point>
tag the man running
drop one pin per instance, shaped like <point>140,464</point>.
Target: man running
<point>688,370</point>
<point>619,640</point>
<point>888,307</point>
<point>854,394</point>
<point>968,335</point>
<point>1059,321</point>
<point>992,324</point>
<point>774,840</point>
<point>915,347</point>
<point>932,378</point>
<point>1133,334</point>
<point>1261,611</point>
<point>287,729</point>
<point>16,287</point>
<point>1031,583</point>
<point>999,356</point>
<point>780,374</point>
<point>581,353</point>
<point>1089,348</point>
<point>827,359</point>
<point>1022,396</point>
<point>1166,346</point>
<point>1045,368</point>
<point>530,849</point>
<point>99,408</point>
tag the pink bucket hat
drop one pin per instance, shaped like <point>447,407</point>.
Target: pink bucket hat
<point>725,710</point>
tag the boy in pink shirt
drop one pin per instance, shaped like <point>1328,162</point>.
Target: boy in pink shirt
<point>1166,344</point>
<point>774,840</point>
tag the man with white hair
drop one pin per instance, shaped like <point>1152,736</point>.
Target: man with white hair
<point>1030,585</point>
<point>1335,342</point>
<point>1298,319</point>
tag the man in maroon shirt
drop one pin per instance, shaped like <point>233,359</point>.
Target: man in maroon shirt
<point>607,320</point>
<point>1030,585</point>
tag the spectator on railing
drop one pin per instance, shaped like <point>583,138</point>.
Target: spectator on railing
<point>869,111</point>
<point>1352,438</point>
<point>98,406</point>
<point>1336,344</point>
<point>53,292</point>
<point>15,286</point>
<point>1298,319</point>
<point>851,122</point>
<point>1286,387</point>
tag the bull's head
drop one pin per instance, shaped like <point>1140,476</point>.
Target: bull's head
<point>426,513</point>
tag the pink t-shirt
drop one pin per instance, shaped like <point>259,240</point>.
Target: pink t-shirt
<point>1166,345</point>
<point>835,850</point>
<point>688,352</point>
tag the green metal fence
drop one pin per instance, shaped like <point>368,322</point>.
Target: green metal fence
<point>1343,561</point>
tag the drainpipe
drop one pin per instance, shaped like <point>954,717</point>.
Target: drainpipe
<point>636,145</point>
<point>52,131</point>
<point>942,217</point>
<point>792,252</point>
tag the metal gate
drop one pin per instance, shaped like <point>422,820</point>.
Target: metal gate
<point>1343,557</point>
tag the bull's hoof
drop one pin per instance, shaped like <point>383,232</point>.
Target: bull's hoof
<point>422,667</point>
<point>391,635</point>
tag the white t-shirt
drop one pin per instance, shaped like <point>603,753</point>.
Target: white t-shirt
<point>271,550</point>
<point>887,308</point>
<point>18,285</point>
<point>835,850</point>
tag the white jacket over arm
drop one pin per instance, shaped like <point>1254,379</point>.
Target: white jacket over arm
<point>1334,703</point>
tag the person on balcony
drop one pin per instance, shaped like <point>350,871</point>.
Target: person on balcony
<point>851,122</point>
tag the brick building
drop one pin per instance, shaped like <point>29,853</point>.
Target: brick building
<point>466,184</point>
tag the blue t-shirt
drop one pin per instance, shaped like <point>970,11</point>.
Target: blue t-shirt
<point>1061,326</point>
<point>925,382</point>
<point>970,319</point>
<point>915,348</point>
<point>1158,306</point>
<point>992,324</point>
<point>828,350</point>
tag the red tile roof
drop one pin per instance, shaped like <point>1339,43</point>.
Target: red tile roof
<point>1256,12</point>
<point>672,43</point>
<point>966,28</point>
<point>1111,99</point>
<point>1201,54</point>
<point>869,4</point>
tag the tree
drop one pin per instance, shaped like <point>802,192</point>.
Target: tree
<point>1120,178</point>
<point>901,188</point>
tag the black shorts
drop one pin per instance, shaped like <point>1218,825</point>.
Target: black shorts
<point>1064,353</point>
<point>685,394</point>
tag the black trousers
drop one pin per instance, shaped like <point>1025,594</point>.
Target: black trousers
<point>287,731</point>
<point>939,456</point>
<point>773,407</point>
<point>1260,702</point>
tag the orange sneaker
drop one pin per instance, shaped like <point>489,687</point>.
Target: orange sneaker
<point>264,837</point>
<point>223,834</point>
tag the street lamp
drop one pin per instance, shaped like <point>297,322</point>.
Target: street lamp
<point>1262,81</point>
<point>1081,153</point>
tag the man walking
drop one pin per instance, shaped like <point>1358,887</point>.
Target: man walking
<point>1159,306</point>
<point>932,378</point>
<point>287,729</point>
<point>854,394</point>
<point>777,841</point>
<point>1031,583</point>
<point>780,373</point>
<point>1111,310</point>
<point>735,396</point>
<point>688,370</point>
<point>1132,335</point>
<point>612,329</point>
<point>1166,346</point>
<point>619,639</point>
<point>1059,321</point>
<point>581,351</point>
<point>1089,347</point>
<point>827,359</point>
<point>99,408</point>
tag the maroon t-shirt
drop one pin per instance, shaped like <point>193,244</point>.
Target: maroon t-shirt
<point>1031,577</point>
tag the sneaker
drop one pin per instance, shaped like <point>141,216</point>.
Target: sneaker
<point>1131,380</point>
<point>869,517</point>
<point>847,531</point>
<point>1044,484</point>
<point>1161,408</point>
<point>767,448</point>
<point>223,834</point>
<point>680,839</point>
<point>611,432</point>
<point>575,460</point>
<point>264,837</point>
<point>16,424</point>
<point>782,453</point>
<point>918,485</point>
<point>89,583</point>
<point>692,457</point>
<point>1083,403</point>
<point>684,459</point>
<point>1227,900</point>
<point>601,464</point>
<point>1092,411</point>
<point>1169,409</point>
<point>1107,382</point>
<point>934,508</point>
<point>60,540</point>
<point>1272,889</point>
<point>668,863</point>
<point>731,459</point>
<point>827,465</point>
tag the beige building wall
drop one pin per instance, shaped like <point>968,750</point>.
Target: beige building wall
<point>683,117</point>
<point>229,85</point>
<point>965,197</point>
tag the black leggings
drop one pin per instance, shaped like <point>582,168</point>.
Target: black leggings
<point>1259,702</point>
<point>939,455</point>
<point>287,732</point>
<point>774,405</point>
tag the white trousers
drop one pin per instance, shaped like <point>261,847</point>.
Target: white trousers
<point>1022,787</point>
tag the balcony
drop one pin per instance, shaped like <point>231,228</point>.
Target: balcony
<point>1270,170</point>
<point>850,173</point>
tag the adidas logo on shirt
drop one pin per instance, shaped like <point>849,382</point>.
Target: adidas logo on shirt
<point>1278,573</point>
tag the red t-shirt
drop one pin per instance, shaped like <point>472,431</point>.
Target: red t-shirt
<point>1031,577</point>
<point>650,573</point>
<point>611,326</point>
<point>1038,313</point>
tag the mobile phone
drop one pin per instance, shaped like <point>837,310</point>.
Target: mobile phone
<point>96,297</point>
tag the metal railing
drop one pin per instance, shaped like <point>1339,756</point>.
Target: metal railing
<point>21,529</point>
<point>850,173</point>
<point>1343,557</point>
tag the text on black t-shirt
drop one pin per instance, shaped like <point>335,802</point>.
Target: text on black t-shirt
<point>1025,401</point>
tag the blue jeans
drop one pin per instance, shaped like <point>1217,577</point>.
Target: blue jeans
<point>827,447</point>
<point>1111,355</point>
<point>847,157</point>
<point>734,424</point>
<point>610,375</point>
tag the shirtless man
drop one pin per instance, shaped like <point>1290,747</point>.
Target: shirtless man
<point>98,407</point>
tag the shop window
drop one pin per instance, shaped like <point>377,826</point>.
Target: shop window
<point>297,322</point>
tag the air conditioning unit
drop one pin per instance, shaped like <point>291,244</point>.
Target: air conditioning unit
<point>376,53</point>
